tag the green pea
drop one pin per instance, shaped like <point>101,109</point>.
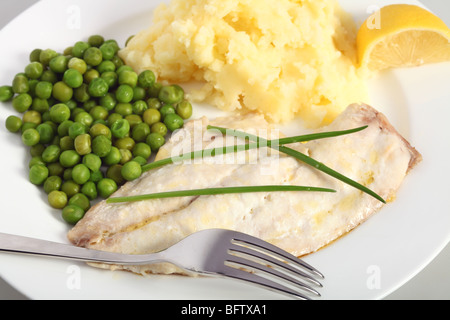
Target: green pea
<point>160,128</point>
<point>108,101</point>
<point>131,171</point>
<point>117,61</point>
<point>128,77</point>
<point>152,116</point>
<point>124,109</point>
<point>139,94</point>
<point>154,103</point>
<point>52,183</point>
<point>59,64</point>
<point>78,64</point>
<point>133,120</point>
<point>37,150</point>
<point>124,93</point>
<point>99,113</point>
<point>143,150</point>
<point>139,107</point>
<point>110,78</point>
<point>184,109</point>
<point>90,75</point>
<point>59,113</point>
<point>36,160</point>
<point>34,70</point>
<point>114,172</point>
<point>82,144</point>
<point>73,78</point>
<point>173,122</point>
<point>106,187</point>
<point>155,141</point>
<point>6,93</point>
<point>63,128</point>
<point>113,157</point>
<point>108,51</point>
<point>96,176</point>
<point>81,94</point>
<point>66,143</point>
<point>89,189</point>
<point>76,129</point>
<point>20,84</point>
<point>101,146</point>
<point>140,132</point>
<point>46,56</point>
<point>142,161</point>
<point>57,199</point>
<point>84,118</point>
<point>69,158</point>
<point>30,137</point>
<point>98,88</point>
<point>49,76</point>
<point>166,110</point>
<point>125,143</point>
<point>46,133</point>
<point>125,156</point>
<point>80,200</point>
<point>172,94</point>
<point>79,49</point>
<point>22,102</point>
<point>32,116</point>
<point>44,89</point>
<point>38,174</point>
<point>28,125</point>
<point>113,117</point>
<point>93,56</point>
<point>55,169</point>
<point>120,128</point>
<point>72,214</point>
<point>124,68</point>
<point>92,161</point>
<point>106,66</point>
<point>81,174</point>
<point>40,105</point>
<point>146,79</point>
<point>13,124</point>
<point>62,92</point>
<point>100,129</point>
<point>51,154</point>
<point>96,40</point>
<point>34,55</point>
<point>70,187</point>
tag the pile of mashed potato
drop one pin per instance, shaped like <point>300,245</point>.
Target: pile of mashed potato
<point>282,58</point>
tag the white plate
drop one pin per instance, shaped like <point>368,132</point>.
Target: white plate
<point>369,263</point>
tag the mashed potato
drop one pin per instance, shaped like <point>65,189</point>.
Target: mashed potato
<point>283,58</point>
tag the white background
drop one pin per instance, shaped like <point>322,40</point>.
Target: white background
<point>432,283</point>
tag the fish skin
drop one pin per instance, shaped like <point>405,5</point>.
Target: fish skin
<point>300,223</point>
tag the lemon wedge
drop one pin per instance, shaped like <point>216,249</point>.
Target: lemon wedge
<point>402,36</point>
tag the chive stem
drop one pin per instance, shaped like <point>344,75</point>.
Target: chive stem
<point>225,150</point>
<point>217,191</point>
<point>303,158</point>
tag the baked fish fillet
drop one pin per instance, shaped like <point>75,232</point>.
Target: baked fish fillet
<point>299,222</point>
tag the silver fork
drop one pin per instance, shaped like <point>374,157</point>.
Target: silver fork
<point>212,252</point>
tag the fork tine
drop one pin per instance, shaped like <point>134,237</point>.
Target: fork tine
<point>272,262</point>
<point>253,242</point>
<point>235,271</point>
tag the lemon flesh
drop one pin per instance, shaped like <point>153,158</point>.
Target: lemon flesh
<point>403,36</point>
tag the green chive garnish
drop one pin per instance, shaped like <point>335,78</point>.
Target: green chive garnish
<point>216,191</point>
<point>225,150</point>
<point>303,158</point>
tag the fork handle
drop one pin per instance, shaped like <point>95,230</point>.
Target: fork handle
<point>24,245</point>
